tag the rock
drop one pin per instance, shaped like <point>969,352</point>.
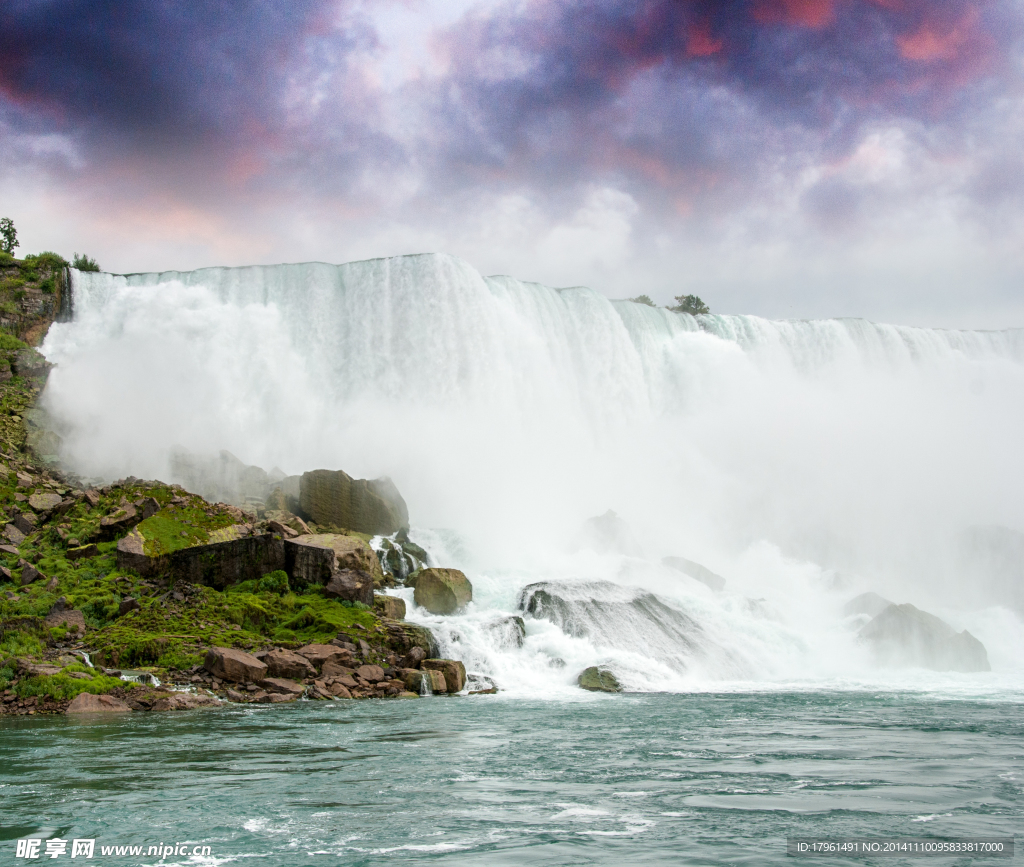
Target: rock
<point>491,691</point>
<point>314,567</point>
<point>282,530</point>
<point>149,507</point>
<point>31,669</point>
<point>236,697</point>
<point>233,665</point>
<point>283,685</point>
<point>695,570</point>
<point>391,607</point>
<point>442,591</point>
<point>609,534</point>
<point>867,603</point>
<point>91,497</point>
<point>598,680</point>
<point>454,672</point>
<point>29,574</point>
<point>51,585</point>
<point>86,702</point>
<point>10,549</point>
<point>26,522</point>
<point>31,364</point>
<point>274,697</point>
<point>350,586</point>
<point>371,673</point>
<point>336,499</point>
<point>44,502</point>
<point>335,669</point>
<point>287,663</point>
<point>25,480</point>
<point>13,534</point>
<point>413,658</point>
<point>128,604</point>
<point>320,654</point>
<point>82,551</point>
<point>507,632</point>
<point>903,635</point>
<point>414,679</point>
<point>113,525</point>
<point>339,690</point>
<point>185,701</point>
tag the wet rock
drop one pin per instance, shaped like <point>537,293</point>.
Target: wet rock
<point>128,604</point>
<point>282,685</point>
<point>905,636</point>
<point>598,680</point>
<point>86,702</point>
<point>185,701</point>
<point>233,665</point>
<point>339,690</point>
<point>44,502</point>
<point>507,632</point>
<point>334,498</point>
<point>274,697</point>
<point>442,591</point>
<point>287,663</point>
<point>236,697</point>
<point>695,570</point>
<point>867,603</point>
<point>454,672</point>
<point>391,607</point>
<point>82,551</point>
<point>350,586</point>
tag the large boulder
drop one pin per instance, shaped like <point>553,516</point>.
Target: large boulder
<point>287,663</point>
<point>415,680</point>
<point>442,591</point>
<point>44,502</point>
<point>334,498</point>
<point>283,686</point>
<point>508,633</point>
<point>598,680</point>
<point>62,614</point>
<point>86,702</point>
<point>318,654</point>
<point>233,665</point>
<point>349,585</point>
<point>870,604</point>
<point>454,672</point>
<point>695,570</point>
<point>903,635</point>
<point>310,560</point>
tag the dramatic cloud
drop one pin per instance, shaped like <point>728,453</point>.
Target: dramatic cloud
<point>791,157</point>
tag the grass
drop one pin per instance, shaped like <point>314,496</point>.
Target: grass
<point>177,527</point>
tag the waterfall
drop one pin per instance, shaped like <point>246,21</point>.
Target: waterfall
<point>801,460</point>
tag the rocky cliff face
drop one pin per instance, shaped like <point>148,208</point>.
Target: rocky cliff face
<point>34,292</point>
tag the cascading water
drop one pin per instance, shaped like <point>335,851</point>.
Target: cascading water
<point>805,462</point>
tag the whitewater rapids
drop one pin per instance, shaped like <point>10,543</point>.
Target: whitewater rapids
<point>805,462</point>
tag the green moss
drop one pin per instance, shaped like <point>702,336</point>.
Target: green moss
<point>178,527</point>
<point>61,687</point>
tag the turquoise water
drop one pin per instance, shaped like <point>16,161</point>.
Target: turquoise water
<point>623,780</point>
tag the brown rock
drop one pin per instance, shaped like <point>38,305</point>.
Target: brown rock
<point>29,574</point>
<point>25,521</point>
<point>33,670</point>
<point>236,696</point>
<point>51,585</point>
<point>319,654</point>
<point>350,586</point>
<point>281,529</point>
<point>335,669</point>
<point>10,549</point>
<point>185,701</point>
<point>91,497</point>
<point>86,702</point>
<point>149,507</point>
<point>413,658</point>
<point>371,673</point>
<point>282,685</point>
<point>391,607</point>
<point>123,519</point>
<point>14,535</point>
<point>347,680</point>
<point>82,552</point>
<point>336,499</point>
<point>454,672</point>
<point>233,665</point>
<point>273,697</point>
<point>129,604</point>
<point>339,690</point>
<point>287,663</point>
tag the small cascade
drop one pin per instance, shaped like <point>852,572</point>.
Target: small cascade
<point>399,555</point>
<point>85,658</point>
<point>425,688</point>
<point>140,677</point>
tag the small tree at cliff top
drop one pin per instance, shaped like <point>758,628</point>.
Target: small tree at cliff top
<point>84,263</point>
<point>689,304</point>
<point>643,299</point>
<point>9,235</point>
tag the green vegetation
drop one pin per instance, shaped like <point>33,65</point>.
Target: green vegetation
<point>84,263</point>
<point>181,526</point>
<point>8,235</point>
<point>690,304</point>
<point>643,299</point>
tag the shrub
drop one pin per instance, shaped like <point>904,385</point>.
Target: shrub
<point>690,304</point>
<point>84,263</point>
<point>10,342</point>
<point>274,582</point>
<point>8,235</point>
<point>643,299</point>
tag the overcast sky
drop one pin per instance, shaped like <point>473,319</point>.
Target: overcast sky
<point>790,158</point>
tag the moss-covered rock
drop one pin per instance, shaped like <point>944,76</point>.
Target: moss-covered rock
<point>442,591</point>
<point>598,679</point>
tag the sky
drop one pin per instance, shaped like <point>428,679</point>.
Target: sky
<point>787,158</point>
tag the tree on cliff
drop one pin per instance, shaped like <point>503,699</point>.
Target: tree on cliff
<point>689,304</point>
<point>643,299</point>
<point>9,235</point>
<point>84,263</point>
